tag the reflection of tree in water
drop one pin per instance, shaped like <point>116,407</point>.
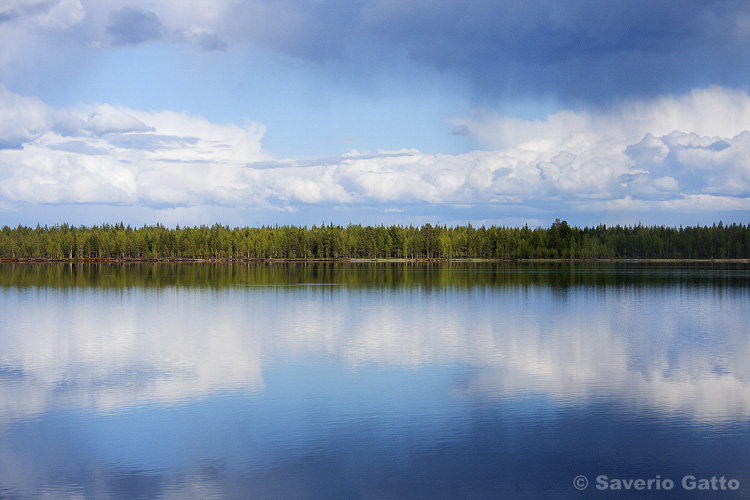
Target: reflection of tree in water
<point>559,275</point>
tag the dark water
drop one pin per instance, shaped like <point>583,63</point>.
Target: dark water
<point>333,381</point>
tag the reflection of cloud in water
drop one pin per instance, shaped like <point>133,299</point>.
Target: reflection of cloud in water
<point>674,352</point>
<point>111,351</point>
<point>597,366</point>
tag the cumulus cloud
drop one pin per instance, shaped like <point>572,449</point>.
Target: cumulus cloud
<point>666,148</point>
<point>710,165</point>
<point>707,111</point>
<point>630,157</point>
<point>120,156</point>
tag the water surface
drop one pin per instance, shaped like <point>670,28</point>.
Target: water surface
<point>409,381</point>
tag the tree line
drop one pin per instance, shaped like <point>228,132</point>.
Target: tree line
<point>560,240</point>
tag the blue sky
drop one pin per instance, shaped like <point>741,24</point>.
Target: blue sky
<point>250,112</point>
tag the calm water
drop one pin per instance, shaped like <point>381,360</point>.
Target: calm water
<point>326,381</point>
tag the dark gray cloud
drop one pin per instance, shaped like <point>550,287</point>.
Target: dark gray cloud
<point>576,49</point>
<point>572,50</point>
<point>129,26</point>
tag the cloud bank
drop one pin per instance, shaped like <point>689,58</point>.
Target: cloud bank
<point>687,153</point>
<point>571,50</point>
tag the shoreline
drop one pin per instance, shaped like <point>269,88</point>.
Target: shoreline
<point>614,260</point>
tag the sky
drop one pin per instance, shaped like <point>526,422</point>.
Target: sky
<point>257,112</point>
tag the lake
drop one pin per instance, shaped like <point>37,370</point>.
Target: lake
<point>374,381</point>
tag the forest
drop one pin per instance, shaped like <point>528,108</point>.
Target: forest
<point>354,241</point>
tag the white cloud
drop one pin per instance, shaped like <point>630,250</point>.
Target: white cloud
<point>697,164</point>
<point>120,156</point>
<point>626,157</point>
<point>713,111</point>
<point>42,176</point>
